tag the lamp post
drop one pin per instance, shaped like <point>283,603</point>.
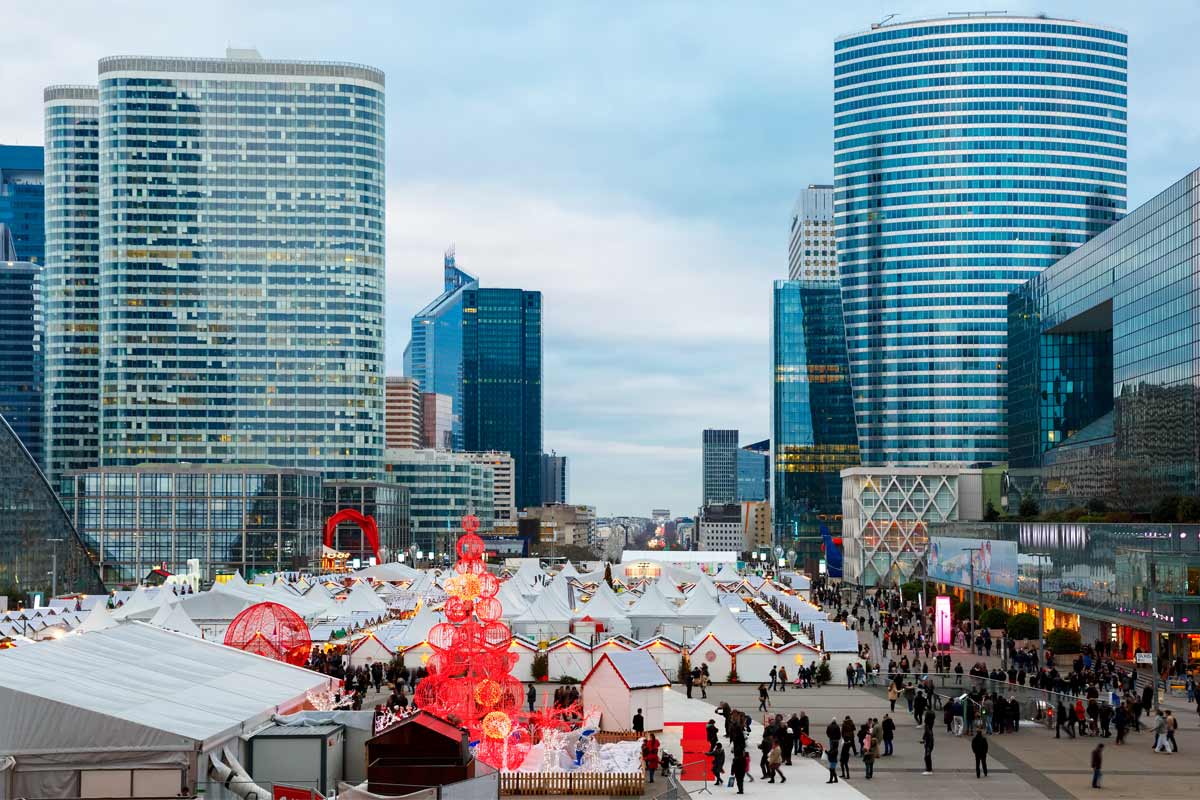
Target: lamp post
<point>1041,613</point>
<point>972,551</point>
<point>1153,634</point>
<point>54,568</point>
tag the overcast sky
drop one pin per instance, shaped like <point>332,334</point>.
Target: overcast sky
<point>636,162</point>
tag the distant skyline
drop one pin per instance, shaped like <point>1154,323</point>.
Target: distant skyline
<point>637,164</point>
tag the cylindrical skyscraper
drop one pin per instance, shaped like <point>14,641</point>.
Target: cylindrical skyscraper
<point>970,153</point>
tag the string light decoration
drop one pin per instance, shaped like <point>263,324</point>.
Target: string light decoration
<point>271,630</point>
<point>470,681</point>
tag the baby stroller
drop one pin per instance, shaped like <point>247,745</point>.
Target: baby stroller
<point>666,762</point>
<point>811,747</point>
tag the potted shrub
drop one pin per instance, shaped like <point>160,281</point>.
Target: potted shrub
<point>541,666</point>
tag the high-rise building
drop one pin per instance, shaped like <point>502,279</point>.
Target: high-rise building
<point>502,381</point>
<point>437,421</point>
<point>242,298</point>
<point>812,413</point>
<point>970,153</point>
<point>812,248</point>
<point>754,471</point>
<point>403,423</point>
<point>561,523</point>
<point>21,347</point>
<point>503,485</point>
<point>442,488</point>
<point>22,200</point>
<point>71,276</point>
<point>719,526</point>
<point>554,478</point>
<point>434,355</point>
<point>719,465</point>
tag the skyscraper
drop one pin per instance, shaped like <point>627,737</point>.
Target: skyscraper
<point>753,471</point>
<point>812,250</point>
<point>970,153</point>
<point>502,381</point>
<point>21,346</point>
<point>437,421</point>
<point>403,422</point>
<point>719,466</point>
<point>554,478</point>
<point>434,355</point>
<point>22,201</point>
<point>242,297</point>
<point>71,430</point>
<point>812,414</point>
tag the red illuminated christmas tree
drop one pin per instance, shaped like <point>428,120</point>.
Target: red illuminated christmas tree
<point>470,678</point>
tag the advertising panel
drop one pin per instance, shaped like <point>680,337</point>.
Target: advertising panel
<point>950,560</point>
<point>942,621</point>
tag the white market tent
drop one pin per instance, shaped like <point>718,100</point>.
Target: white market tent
<point>511,599</point>
<point>174,618</point>
<point>606,609</point>
<point>668,588</point>
<point>545,619</point>
<point>650,612</point>
<point>569,571</point>
<point>834,637</point>
<point>362,598</point>
<point>620,684</point>
<point>728,574</point>
<point>134,697</point>
<point>100,619</point>
<point>727,630</point>
<point>392,572</point>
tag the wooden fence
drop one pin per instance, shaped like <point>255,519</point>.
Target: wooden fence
<point>620,784</point>
<point>608,737</point>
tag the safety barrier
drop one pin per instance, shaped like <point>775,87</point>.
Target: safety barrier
<point>619,784</point>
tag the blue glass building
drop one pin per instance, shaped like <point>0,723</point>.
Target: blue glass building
<point>970,154</point>
<point>502,382</point>
<point>22,200</point>
<point>22,330</point>
<point>812,413</point>
<point>1105,382</point>
<point>434,355</point>
<point>754,471</point>
<point>241,298</point>
<point>72,280</point>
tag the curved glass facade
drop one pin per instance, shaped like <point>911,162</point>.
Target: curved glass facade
<point>71,276</point>
<point>242,242</point>
<point>969,155</point>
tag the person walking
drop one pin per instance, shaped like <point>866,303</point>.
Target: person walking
<point>847,748</point>
<point>832,756</point>
<point>738,767</point>
<point>1161,744</point>
<point>783,679</point>
<point>979,746</point>
<point>764,699</point>
<point>639,723</point>
<point>650,755</point>
<point>774,677</point>
<point>889,733</point>
<point>1172,725</point>
<point>531,697</point>
<point>717,754</point>
<point>927,740</point>
<point>870,753</point>
<point>893,695</point>
<point>1097,763</point>
<point>775,761</point>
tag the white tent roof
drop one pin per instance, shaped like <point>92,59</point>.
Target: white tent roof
<point>569,571</point>
<point>512,600</point>
<point>174,618</point>
<point>838,638</point>
<point>668,588</point>
<point>140,600</point>
<point>699,603</point>
<point>727,574</point>
<point>727,630</point>
<point>705,584</point>
<point>391,571</point>
<point>562,592</point>
<point>545,608</point>
<point>99,620</point>
<point>652,603</point>
<point>362,598</point>
<point>638,669</point>
<point>603,607</point>
<point>418,627</point>
<point>139,687</point>
<point>212,605</point>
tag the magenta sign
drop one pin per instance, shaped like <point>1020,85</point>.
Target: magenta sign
<point>942,621</point>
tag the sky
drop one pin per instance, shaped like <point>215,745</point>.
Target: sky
<point>636,162</point>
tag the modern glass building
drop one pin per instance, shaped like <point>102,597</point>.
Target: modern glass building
<point>22,330</point>
<point>442,488</point>
<point>753,471</point>
<point>719,463</point>
<point>39,547</point>
<point>242,297</point>
<point>231,517</point>
<point>970,153</point>
<point>386,502</point>
<point>555,486</point>
<point>71,276</point>
<point>812,248</point>
<point>502,381</point>
<point>1104,396</point>
<point>22,200</point>
<point>812,415</point>
<point>434,355</point>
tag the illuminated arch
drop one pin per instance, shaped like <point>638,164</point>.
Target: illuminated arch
<point>364,522</point>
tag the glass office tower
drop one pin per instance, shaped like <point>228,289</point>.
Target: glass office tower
<point>502,381</point>
<point>812,414</point>
<point>434,355</point>
<point>718,467</point>
<point>753,472</point>
<point>22,331</point>
<point>242,262</point>
<point>71,425</point>
<point>22,200</point>
<point>969,154</point>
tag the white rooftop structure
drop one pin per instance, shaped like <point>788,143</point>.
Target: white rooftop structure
<point>668,588</point>
<point>728,574</point>
<point>681,556</point>
<point>638,669</point>
<point>392,571</point>
<point>727,630</point>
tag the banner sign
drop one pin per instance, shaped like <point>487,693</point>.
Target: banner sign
<point>950,559</point>
<point>942,620</point>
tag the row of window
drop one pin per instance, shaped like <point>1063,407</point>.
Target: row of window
<point>1022,81</point>
<point>974,41</point>
<point>993,26</point>
<point>925,121</point>
<point>1052,134</point>
<point>1013,105</point>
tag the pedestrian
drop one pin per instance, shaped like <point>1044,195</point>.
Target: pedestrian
<point>1097,763</point>
<point>1161,743</point>
<point>834,733</point>
<point>832,756</point>
<point>687,682</point>
<point>847,748</point>
<point>774,677</point>
<point>870,753</point>
<point>650,755</point>
<point>764,699</point>
<point>775,761</point>
<point>927,740</point>
<point>889,733</point>
<point>783,679</point>
<point>639,723</point>
<point>979,746</point>
<point>1172,725</point>
<point>717,754</point>
<point>531,697</point>
<point>893,695</point>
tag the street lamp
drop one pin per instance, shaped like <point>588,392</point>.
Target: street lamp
<point>1041,612</point>
<point>972,551</point>
<point>54,568</point>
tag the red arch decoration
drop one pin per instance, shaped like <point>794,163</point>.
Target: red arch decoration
<point>364,522</point>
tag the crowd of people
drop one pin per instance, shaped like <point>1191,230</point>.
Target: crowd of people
<point>358,681</point>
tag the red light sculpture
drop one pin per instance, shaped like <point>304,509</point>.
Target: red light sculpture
<point>271,630</point>
<point>470,678</point>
